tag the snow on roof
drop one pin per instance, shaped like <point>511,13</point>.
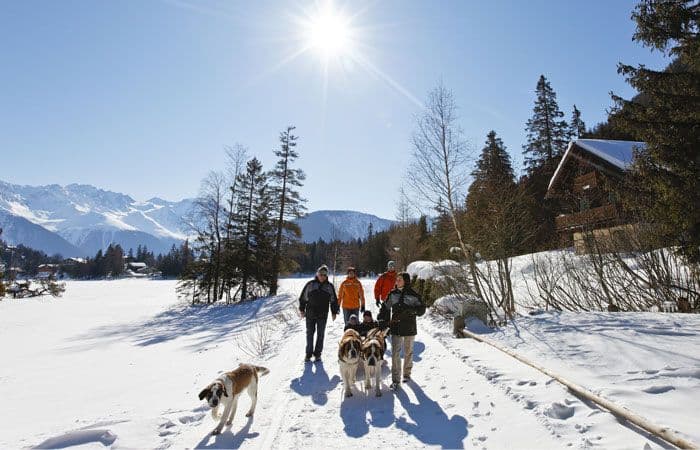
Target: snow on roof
<point>617,153</point>
<point>137,264</point>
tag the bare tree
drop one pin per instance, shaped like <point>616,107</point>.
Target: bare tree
<point>208,216</point>
<point>439,168</point>
<point>404,236</point>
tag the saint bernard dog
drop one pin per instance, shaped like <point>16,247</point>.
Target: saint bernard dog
<point>349,355</point>
<point>227,388</point>
<point>373,357</point>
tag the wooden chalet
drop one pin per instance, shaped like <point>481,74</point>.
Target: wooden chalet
<point>584,186</point>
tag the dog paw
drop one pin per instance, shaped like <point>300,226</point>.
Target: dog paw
<point>249,414</point>
<point>379,393</point>
<point>216,431</point>
<point>228,423</point>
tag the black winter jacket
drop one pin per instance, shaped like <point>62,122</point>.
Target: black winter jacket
<point>316,298</point>
<point>400,310</point>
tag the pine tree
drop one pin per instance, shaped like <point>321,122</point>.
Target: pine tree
<point>547,134</point>
<point>490,202</point>
<point>288,203</point>
<point>577,127</point>
<point>252,233</point>
<point>547,139</point>
<point>666,176</point>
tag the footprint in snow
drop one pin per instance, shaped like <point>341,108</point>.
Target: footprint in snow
<point>191,419</point>
<point>530,404</point>
<point>559,411</point>
<point>658,389</point>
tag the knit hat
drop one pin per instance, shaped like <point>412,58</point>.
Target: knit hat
<point>367,313</point>
<point>351,268</point>
<point>391,265</point>
<point>353,316</point>
<point>322,270</point>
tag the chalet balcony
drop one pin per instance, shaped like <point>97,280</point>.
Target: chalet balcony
<point>587,219</point>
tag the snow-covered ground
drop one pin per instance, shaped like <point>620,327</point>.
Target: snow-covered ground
<point>120,364</point>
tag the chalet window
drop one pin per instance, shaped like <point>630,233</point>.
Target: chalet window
<point>584,204</point>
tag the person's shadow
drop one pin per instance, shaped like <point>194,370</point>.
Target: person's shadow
<point>314,382</point>
<point>228,439</point>
<point>432,426</point>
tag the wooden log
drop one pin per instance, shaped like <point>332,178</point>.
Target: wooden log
<point>664,433</point>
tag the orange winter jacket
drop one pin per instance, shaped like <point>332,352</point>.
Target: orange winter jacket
<point>385,283</point>
<point>351,295</point>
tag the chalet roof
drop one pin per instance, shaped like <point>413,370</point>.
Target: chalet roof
<point>140,265</point>
<point>617,153</point>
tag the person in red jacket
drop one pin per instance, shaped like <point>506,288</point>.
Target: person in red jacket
<point>385,283</point>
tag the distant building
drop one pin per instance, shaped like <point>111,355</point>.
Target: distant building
<point>138,268</point>
<point>584,185</point>
<point>73,261</point>
<point>47,271</point>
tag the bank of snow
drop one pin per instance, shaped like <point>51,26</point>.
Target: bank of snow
<point>647,362</point>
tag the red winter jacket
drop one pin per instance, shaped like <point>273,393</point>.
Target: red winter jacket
<point>385,283</point>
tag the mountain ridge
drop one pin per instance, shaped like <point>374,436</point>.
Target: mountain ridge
<point>77,220</point>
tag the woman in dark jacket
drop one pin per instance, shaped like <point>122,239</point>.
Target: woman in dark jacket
<point>399,312</point>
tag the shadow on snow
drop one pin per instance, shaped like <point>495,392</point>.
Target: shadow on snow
<point>431,425</point>
<point>229,439</point>
<point>205,324</point>
<point>314,382</point>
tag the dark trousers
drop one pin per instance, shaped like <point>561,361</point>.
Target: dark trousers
<point>315,325</point>
<point>349,312</point>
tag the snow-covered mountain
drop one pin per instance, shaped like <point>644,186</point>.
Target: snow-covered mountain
<point>78,219</point>
<point>343,225</point>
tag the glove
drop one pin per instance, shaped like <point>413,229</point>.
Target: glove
<point>379,304</point>
<point>362,308</point>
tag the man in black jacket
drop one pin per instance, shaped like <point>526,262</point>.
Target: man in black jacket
<point>399,312</point>
<point>316,298</point>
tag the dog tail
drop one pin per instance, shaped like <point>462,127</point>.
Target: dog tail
<point>262,370</point>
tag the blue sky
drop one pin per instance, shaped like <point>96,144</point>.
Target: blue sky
<point>141,96</point>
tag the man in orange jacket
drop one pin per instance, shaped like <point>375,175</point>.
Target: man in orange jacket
<point>385,283</point>
<point>351,295</point>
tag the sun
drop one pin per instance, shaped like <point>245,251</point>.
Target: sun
<point>329,33</point>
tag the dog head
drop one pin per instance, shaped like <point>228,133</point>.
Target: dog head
<point>214,393</point>
<point>373,347</point>
<point>350,347</point>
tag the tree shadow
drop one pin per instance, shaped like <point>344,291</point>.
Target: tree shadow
<point>432,426</point>
<point>314,383</point>
<point>208,323</point>
<point>228,439</point>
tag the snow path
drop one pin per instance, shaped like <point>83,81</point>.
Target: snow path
<point>448,405</point>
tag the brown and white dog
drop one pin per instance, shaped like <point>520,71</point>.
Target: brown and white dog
<point>228,387</point>
<point>349,355</point>
<point>373,357</point>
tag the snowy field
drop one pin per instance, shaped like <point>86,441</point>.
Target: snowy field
<point>120,363</point>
